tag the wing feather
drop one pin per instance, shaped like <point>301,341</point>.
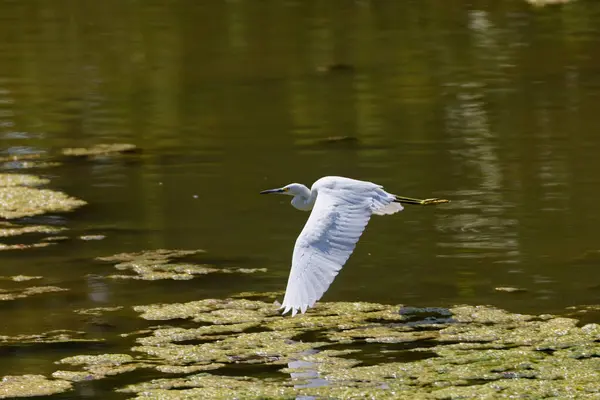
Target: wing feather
<point>327,240</point>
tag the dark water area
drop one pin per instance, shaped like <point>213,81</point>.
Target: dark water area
<point>493,105</point>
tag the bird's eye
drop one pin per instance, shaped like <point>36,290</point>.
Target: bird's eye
<point>286,189</point>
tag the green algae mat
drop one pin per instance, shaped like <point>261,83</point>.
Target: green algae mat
<point>20,198</point>
<point>243,348</point>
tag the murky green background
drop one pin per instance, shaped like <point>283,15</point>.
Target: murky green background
<point>493,105</point>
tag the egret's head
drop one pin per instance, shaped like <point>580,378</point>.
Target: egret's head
<point>292,189</point>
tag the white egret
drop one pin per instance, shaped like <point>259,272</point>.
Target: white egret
<point>341,208</point>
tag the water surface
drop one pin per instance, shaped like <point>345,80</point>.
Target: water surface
<point>494,106</point>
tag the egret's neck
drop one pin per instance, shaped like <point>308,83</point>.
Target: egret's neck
<point>305,200</point>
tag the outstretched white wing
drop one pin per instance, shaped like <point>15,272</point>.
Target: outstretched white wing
<point>334,226</point>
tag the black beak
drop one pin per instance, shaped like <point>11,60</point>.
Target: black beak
<point>272,191</point>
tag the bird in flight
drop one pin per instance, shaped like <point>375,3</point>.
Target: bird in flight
<point>341,208</point>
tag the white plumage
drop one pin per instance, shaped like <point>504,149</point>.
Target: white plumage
<point>341,209</point>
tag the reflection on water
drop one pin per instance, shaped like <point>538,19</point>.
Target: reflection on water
<point>483,227</point>
<point>306,373</point>
<point>98,290</point>
<point>491,105</point>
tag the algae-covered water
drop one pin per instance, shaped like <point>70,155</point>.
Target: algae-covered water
<point>138,260</point>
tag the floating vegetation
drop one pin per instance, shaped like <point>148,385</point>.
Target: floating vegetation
<point>542,3</point>
<point>54,239</point>
<point>31,385</point>
<point>188,369</point>
<point>509,289</point>
<point>477,348</point>
<point>584,308</point>
<point>210,332</point>
<point>18,199</point>
<point>8,229</point>
<point>152,272</point>
<point>92,237</point>
<point>22,157</point>
<point>29,164</point>
<point>23,161</point>
<point>201,311</point>
<point>248,348</point>
<point>20,278</point>
<point>4,247</point>
<point>100,150</point>
<point>156,264</point>
<point>259,295</point>
<point>351,350</point>
<point>176,271</point>
<point>6,295</point>
<point>207,386</point>
<point>103,365</point>
<point>242,270</point>
<point>97,366</point>
<point>56,336</point>
<point>381,334</point>
<point>12,180</point>
<point>103,359</point>
<point>158,256</point>
<point>97,311</point>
